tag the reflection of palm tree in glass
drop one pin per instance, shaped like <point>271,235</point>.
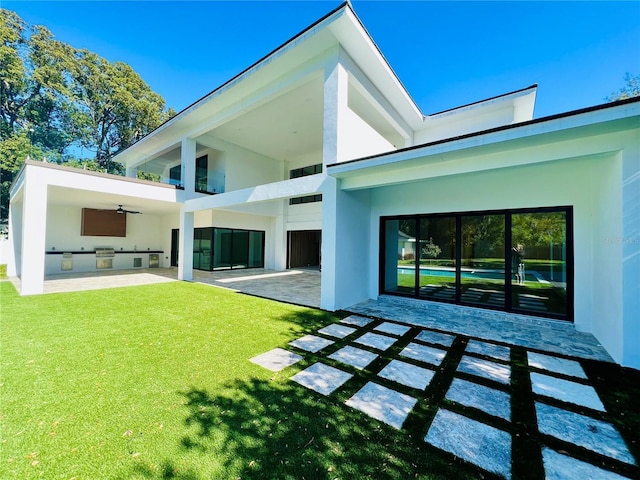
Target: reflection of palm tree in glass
<point>430,250</point>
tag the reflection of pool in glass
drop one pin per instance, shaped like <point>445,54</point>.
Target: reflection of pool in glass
<point>451,273</point>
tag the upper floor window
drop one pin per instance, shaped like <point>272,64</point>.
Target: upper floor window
<point>303,172</point>
<point>202,175</point>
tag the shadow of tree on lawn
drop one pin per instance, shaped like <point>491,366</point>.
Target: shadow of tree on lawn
<point>273,430</point>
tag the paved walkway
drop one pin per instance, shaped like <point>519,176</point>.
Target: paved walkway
<point>535,333</point>
<point>299,286</point>
<point>457,394</point>
<point>74,282</point>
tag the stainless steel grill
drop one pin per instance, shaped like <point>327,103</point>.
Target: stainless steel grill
<point>104,257</point>
<point>105,252</point>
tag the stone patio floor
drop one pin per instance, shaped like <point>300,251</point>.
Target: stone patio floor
<point>390,370</point>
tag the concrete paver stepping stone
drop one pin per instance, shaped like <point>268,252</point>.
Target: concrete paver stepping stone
<point>489,400</point>
<point>383,404</point>
<point>379,342</point>
<point>563,467</point>
<point>435,337</point>
<point>423,353</point>
<point>311,343</point>
<point>322,378</point>
<point>407,374</point>
<point>276,359</point>
<point>489,349</point>
<point>336,330</point>
<point>555,364</point>
<point>356,320</point>
<point>587,432</point>
<point>566,390</point>
<point>356,357</point>
<point>473,441</point>
<point>486,369</point>
<point>392,328</point>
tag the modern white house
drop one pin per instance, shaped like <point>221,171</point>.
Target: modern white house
<point>316,154</point>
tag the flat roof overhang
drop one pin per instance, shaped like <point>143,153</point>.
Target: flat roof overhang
<point>87,189</point>
<point>339,27</point>
<point>491,149</point>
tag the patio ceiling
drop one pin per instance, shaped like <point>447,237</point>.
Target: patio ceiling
<point>89,199</point>
<point>297,130</point>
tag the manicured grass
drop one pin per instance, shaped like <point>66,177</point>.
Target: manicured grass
<point>155,382</point>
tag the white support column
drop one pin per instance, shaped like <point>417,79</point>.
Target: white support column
<point>15,240</point>
<point>34,229</point>
<point>188,166</point>
<point>280,242</point>
<point>185,246</point>
<point>336,86</point>
<point>328,248</point>
<point>335,103</point>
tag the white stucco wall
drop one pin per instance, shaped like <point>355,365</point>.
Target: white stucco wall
<point>345,246</point>
<point>305,216</point>
<point>359,139</point>
<point>591,185</point>
<point>245,168</point>
<point>630,244</point>
<point>452,124</point>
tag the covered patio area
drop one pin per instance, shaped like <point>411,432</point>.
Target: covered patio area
<point>299,286</point>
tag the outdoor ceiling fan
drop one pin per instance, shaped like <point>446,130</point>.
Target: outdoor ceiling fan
<point>122,210</point>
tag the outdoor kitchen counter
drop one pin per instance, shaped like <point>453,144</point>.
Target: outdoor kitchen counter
<point>69,261</point>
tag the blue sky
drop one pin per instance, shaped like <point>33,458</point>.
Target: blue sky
<point>446,53</point>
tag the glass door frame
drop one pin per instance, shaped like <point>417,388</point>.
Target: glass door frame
<point>508,286</point>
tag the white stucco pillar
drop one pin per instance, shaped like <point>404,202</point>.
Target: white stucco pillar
<point>329,244</point>
<point>188,166</point>
<point>631,257</point>
<point>279,242</point>
<point>34,229</point>
<point>14,240</point>
<point>185,246</point>
<point>336,86</point>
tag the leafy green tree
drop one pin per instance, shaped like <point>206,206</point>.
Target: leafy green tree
<point>630,89</point>
<point>55,98</point>
<point>13,150</point>
<point>13,78</point>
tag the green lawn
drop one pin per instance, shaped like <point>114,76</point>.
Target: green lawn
<point>154,382</point>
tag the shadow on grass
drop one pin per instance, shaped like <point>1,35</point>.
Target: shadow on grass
<point>266,429</point>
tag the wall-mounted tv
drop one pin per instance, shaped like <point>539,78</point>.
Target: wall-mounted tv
<point>103,223</point>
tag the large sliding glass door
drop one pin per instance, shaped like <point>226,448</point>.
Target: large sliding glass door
<point>202,248</point>
<point>482,280</point>
<point>223,248</point>
<point>437,260</point>
<point>539,262</point>
<point>400,252</point>
<point>514,260</point>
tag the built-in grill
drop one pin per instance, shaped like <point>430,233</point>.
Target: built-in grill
<point>104,257</point>
<point>105,252</point>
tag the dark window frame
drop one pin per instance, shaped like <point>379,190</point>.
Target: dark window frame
<point>508,213</point>
<point>304,172</point>
<point>232,231</point>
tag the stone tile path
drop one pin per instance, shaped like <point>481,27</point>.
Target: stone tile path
<point>478,393</point>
